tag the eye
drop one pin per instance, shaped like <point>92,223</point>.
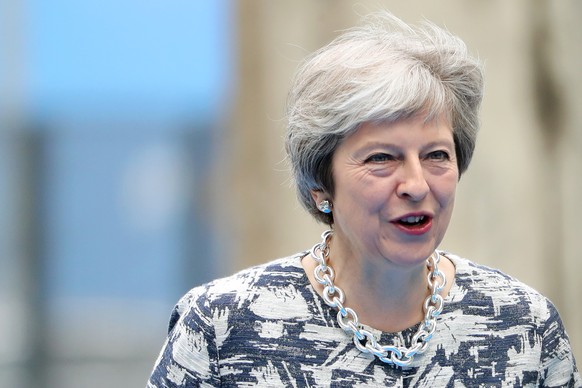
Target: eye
<point>379,158</point>
<point>438,155</point>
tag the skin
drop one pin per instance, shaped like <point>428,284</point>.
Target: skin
<point>382,173</point>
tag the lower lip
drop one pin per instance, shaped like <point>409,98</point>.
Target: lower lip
<point>415,230</point>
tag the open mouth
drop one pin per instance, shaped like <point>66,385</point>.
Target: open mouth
<point>414,221</point>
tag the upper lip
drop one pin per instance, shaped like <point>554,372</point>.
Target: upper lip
<point>412,216</point>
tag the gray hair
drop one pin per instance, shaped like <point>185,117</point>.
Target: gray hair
<point>382,71</point>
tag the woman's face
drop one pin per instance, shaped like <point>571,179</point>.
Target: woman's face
<point>394,190</point>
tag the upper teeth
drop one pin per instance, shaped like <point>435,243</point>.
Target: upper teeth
<point>413,219</point>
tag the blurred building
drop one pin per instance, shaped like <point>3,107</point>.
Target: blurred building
<point>141,154</point>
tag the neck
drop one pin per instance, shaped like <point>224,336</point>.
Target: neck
<point>385,296</point>
<point>382,318</point>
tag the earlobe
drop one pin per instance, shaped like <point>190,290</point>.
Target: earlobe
<point>322,201</point>
<point>324,206</point>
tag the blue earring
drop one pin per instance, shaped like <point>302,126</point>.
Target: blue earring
<point>324,206</point>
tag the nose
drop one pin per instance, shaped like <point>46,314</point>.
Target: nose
<point>413,185</point>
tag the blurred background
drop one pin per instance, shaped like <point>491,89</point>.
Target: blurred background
<point>141,154</point>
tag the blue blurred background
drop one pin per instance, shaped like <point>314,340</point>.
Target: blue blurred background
<point>110,115</point>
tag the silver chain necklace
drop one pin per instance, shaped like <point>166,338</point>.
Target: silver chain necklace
<point>348,319</point>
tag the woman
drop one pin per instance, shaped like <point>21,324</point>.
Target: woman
<point>382,123</point>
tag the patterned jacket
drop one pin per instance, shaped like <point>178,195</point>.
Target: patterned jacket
<point>266,326</point>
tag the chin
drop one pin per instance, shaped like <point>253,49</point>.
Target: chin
<point>410,256</point>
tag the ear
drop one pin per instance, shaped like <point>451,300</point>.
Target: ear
<point>318,196</point>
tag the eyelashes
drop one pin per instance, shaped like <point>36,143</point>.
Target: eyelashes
<point>439,155</point>
<point>381,157</point>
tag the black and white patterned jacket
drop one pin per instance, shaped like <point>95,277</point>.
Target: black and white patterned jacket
<point>266,326</point>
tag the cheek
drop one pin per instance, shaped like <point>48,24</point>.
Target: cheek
<point>361,197</point>
<point>446,191</point>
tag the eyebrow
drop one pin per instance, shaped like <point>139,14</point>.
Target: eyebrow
<point>443,142</point>
<point>361,151</point>
<point>376,144</point>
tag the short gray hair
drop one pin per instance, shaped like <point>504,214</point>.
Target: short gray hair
<point>382,71</point>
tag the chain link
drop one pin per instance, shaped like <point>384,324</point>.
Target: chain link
<point>363,339</point>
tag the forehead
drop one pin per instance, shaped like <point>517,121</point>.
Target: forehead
<point>415,131</point>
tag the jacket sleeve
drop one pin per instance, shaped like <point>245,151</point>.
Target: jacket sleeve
<point>189,357</point>
<point>557,360</point>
